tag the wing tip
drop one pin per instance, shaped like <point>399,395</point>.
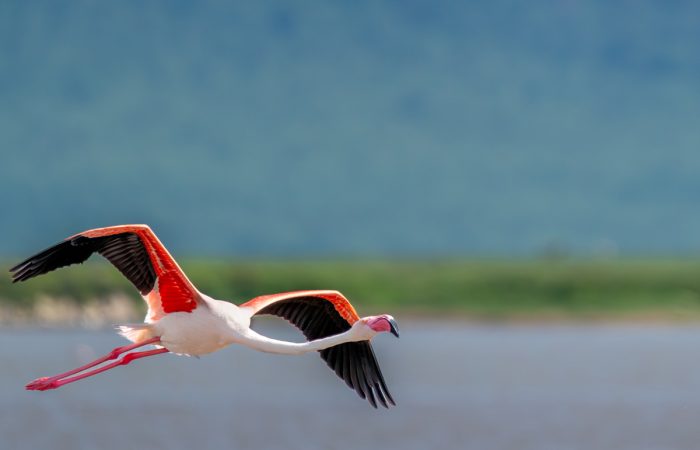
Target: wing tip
<point>18,272</point>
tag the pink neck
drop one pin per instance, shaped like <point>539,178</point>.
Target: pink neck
<point>265,344</point>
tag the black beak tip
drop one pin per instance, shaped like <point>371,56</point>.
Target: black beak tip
<point>394,328</point>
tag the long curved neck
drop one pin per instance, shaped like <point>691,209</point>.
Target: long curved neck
<point>265,344</point>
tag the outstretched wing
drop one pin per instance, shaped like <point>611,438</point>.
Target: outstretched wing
<point>136,252</point>
<point>319,314</point>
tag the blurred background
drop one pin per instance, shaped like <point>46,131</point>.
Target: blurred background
<point>516,182</point>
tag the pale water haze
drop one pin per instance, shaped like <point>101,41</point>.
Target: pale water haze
<point>457,387</point>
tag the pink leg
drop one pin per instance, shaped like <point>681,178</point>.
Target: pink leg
<point>53,384</point>
<point>114,354</point>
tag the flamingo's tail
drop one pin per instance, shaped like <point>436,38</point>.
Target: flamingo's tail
<point>136,332</point>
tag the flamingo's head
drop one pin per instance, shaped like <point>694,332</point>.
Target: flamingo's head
<point>381,323</point>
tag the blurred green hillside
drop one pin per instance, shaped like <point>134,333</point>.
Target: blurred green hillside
<point>377,128</point>
<point>477,289</point>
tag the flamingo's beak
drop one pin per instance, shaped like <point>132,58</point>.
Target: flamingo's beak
<point>394,327</point>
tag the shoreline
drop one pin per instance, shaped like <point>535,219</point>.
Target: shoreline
<point>103,313</point>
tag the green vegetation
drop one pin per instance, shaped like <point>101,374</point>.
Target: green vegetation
<point>480,289</point>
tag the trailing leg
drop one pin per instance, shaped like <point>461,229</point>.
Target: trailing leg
<point>46,382</point>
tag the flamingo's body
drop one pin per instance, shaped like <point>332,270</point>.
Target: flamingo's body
<point>182,320</point>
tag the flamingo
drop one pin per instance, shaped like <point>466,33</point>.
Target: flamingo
<point>182,320</point>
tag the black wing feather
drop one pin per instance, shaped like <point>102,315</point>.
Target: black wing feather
<point>125,251</point>
<point>354,362</point>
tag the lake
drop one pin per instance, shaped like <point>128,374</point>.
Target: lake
<point>457,386</point>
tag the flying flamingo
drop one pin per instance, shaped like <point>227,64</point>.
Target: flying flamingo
<point>184,321</point>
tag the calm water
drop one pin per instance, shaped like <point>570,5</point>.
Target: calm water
<point>457,386</point>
